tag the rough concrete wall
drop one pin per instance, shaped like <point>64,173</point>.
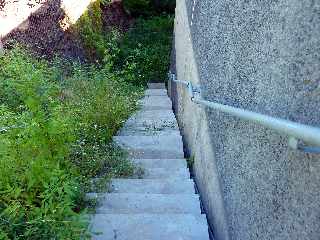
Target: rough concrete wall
<point>263,56</point>
<point>193,123</point>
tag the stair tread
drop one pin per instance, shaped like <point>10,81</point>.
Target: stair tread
<point>148,203</point>
<point>149,227</point>
<point>156,92</point>
<point>160,163</point>
<point>160,202</point>
<point>156,103</point>
<point>146,131</point>
<point>161,142</point>
<point>155,146</point>
<point>159,186</point>
<point>156,86</point>
<point>153,119</point>
<point>158,173</point>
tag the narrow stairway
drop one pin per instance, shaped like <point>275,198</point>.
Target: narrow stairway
<point>163,204</point>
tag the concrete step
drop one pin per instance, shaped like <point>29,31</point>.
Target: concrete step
<point>160,163</point>
<point>149,227</point>
<point>163,146</point>
<point>148,203</point>
<point>155,186</point>
<point>156,92</point>
<point>156,103</point>
<point>163,205</point>
<point>158,173</point>
<point>142,131</point>
<point>156,86</point>
<point>153,120</point>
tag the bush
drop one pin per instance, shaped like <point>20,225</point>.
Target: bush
<point>145,50</point>
<point>90,29</point>
<point>39,188</point>
<point>137,7</point>
<point>55,135</point>
<point>100,102</point>
<point>167,6</point>
<point>148,7</point>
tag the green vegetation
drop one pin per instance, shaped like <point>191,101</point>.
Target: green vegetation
<point>90,29</point>
<point>149,59</point>
<point>138,7</point>
<point>149,7</point>
<point>55,136</point>
<point>57,119</point>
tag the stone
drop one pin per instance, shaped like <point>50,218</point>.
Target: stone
<point>156,103</point>
<point>164,146</point>
<point>152,186</point>
<point>149,227</point>
<point>156,92</point>
<point>132,203</point>
<point>156,173</point>
<point>161,163</point>
<point>153,120</point>
<point>156,86</point>
<point>158,202</point>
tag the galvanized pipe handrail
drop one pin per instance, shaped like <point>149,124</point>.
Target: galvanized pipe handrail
<point>294,130</point>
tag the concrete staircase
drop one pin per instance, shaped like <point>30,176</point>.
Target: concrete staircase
<point>163,204</point>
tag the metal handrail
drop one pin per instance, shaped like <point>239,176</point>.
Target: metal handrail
<point>295,131</point>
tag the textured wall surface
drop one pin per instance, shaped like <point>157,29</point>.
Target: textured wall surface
<point>263,56</point>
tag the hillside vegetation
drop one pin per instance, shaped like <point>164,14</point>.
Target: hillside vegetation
<point>57,119</point>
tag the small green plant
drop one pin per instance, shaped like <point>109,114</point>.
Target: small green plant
<point>190,161</point>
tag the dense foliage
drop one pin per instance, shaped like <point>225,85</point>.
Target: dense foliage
<point>149,7</point>
<point>55,135</point>
<point>149,59</point>
<point>90,29</point>
<point>57,120</point>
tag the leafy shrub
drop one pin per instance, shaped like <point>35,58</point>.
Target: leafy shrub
<point>39,190</point>
<point>145,50</point>
<point>90,29</point>
<point>55,135</point>
<point>167,6</point>
<point>138,7</point>
<point>102,104</point>
<point>148,7</point>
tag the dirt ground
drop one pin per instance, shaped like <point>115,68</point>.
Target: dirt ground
<point>44,31</point>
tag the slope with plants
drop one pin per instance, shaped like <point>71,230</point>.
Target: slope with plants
<point>57,119</point>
